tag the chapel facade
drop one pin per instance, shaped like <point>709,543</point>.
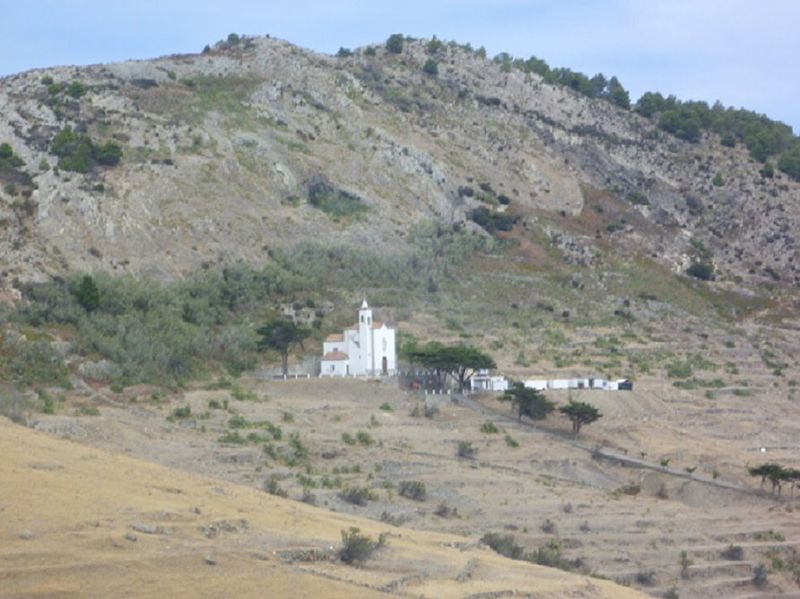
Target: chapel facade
<point>366,349</point>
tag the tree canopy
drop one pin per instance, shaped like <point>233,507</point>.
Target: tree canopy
<point>78,152</point>
<point>580,413</point>
<point>395,43</point>
<point>776,474</point>
<point>458,361</point>
<point>687,120</point>
<point>87,294</point>
<point>281,334</point>
<point>528,402</point>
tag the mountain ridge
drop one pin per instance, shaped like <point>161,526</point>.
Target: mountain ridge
<point>222,149</point>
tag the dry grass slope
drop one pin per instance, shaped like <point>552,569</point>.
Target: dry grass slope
<point>79,521</point>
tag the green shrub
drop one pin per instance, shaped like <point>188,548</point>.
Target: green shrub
<point>466,450</point>
<point>395,43</point>
<point>10,163</point>
<point>431,67</point>
<point>503,544</point>
<point>492,221</point>
<point>680,370</point>
<point>272,487</point>
<point>336,203</point>
<point>107,154</point>
<point>548,526</point>
<point>77,152</point>
<point>87,294</point>
<point>412,489</point>
<point>359,496</point>
<point>489,427</point>
<point>238,421</point>
<point>682,123</point>
<point>300,450</point>
<point>73,149</point>
<point>365,439</point>
<point>357,548</point>
<point>550,555</point>
<point>789,161</point>
<point>645,578</point>
<point>232,438</point>
<point>511,442</point>
<point>445,511</point>
<point>48,404</point>
<point>240,394</point>
<point>434,46</point>
<point>76,89</point>
<point>701,269</point>
<point>182,412</point>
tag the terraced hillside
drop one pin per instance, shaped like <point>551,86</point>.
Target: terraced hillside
<point>83,522</point>
<point>600,504</point>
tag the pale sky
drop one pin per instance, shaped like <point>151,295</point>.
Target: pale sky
<point>745,53</point>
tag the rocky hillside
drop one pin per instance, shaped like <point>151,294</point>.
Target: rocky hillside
<point>252,146</point>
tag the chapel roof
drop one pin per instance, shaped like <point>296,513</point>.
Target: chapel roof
<point>335,356</point>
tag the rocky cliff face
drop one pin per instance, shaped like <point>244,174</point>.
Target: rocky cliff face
<point>250,147</point>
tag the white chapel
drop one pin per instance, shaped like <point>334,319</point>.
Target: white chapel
<point>366,349</point>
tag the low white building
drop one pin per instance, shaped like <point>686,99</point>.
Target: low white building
<point>483,381</point>
<point>366,349</point>
<point>580,383</point>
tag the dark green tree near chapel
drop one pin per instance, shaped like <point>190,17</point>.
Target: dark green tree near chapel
<point>580,413</point>
<point>528,402</point>
<point>281,335</point>
<point>458,361</point>
<point>87,294</point>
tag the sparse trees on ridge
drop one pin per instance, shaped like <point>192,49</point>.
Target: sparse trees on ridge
<point>777,476</point>
<point>532,403</point>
